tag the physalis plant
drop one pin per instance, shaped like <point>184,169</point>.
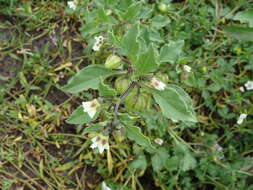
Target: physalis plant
<point>128,74</point>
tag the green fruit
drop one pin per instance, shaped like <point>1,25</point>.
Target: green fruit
<point>138,102</point>
<point>148,100</point>
<point>131,98</point>
<point>113,62</point>
<point>162,76</point>
<point>141,103</point>
<point>121,84</point>
<point>162,7</point>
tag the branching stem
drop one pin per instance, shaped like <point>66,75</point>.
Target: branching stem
<point>122,97</point>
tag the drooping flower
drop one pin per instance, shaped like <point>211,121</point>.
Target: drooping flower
<point>159,85</point>
<point>98,43</point>
<point>187,68</point>
<point>105,187</point>
<point>241,118</point>
<point>91,107</point>
<point>249,85</point>
<point>158,141</point>
<point>100,142</point>
<point>72,4</point>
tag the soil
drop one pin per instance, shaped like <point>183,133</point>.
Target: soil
<point>10,67</point>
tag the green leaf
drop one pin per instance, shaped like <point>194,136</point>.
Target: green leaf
<point>159,159</point>
<point>146,62</point>
<point>105,90</point>
<point>80,117</point>
<point>90,29</point>
<point>155,36</point>
<point>240,33</point>
<point>139,163</point>
<point>171,52</point>
<point>65,166</point>
<point>134,133</point>
<point>101,15</point>
<point>160,21</point>
<point>172,163</point>
<point>94,128</point>
<point>88,77</point>
<point>175,103</point>
<point>187,161</point>
<point>132,12</point>
<point>245,16</point>
<point>129,42</point>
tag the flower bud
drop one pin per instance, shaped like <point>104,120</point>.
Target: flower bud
<point>113,62</point>
<point>162,7</point>
<point>108,12</point>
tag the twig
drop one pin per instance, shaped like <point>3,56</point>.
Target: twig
<point>122,97</point>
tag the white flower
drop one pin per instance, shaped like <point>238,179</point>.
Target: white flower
<point>72,4</point>
<point>91,107</point>
<point>241,118</point>
<point>98,43</point>
<point>159,85</point>
<point>241,88</point>
<point>249,85</point>
<point>100,142</point>
<point>105,187</point>
<point>159,141</point>
<point>187,68</point>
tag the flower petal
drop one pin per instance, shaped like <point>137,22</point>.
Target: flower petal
<point>101,148</point>
<point>105,187</point>
<point>94,145</point>
<point>86,105</point>
<point>241,118</point>
<point>187,68</point>
<point>159,85</point>
<point>249,85</point>
<point>92,112</point>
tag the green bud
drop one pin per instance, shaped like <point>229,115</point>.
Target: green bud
<point>162,7</point>
<point>113,62</point>
<point>108,12</point>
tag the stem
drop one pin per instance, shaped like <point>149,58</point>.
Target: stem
<point>122,97</point>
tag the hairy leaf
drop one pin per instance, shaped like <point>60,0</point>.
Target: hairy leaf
<point>175,103</point>
<point>139,163</point>
<point>94,128</point>
<point>159,159</point>
<point>240,33</point>
<point>134,133</point>
<point>146,62</point>
<point>245,16</point>
<point>186,160</point>
<point>105,90</point>
<point>87,78</point>
<point>129,42</point>
<point>171,52</point>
